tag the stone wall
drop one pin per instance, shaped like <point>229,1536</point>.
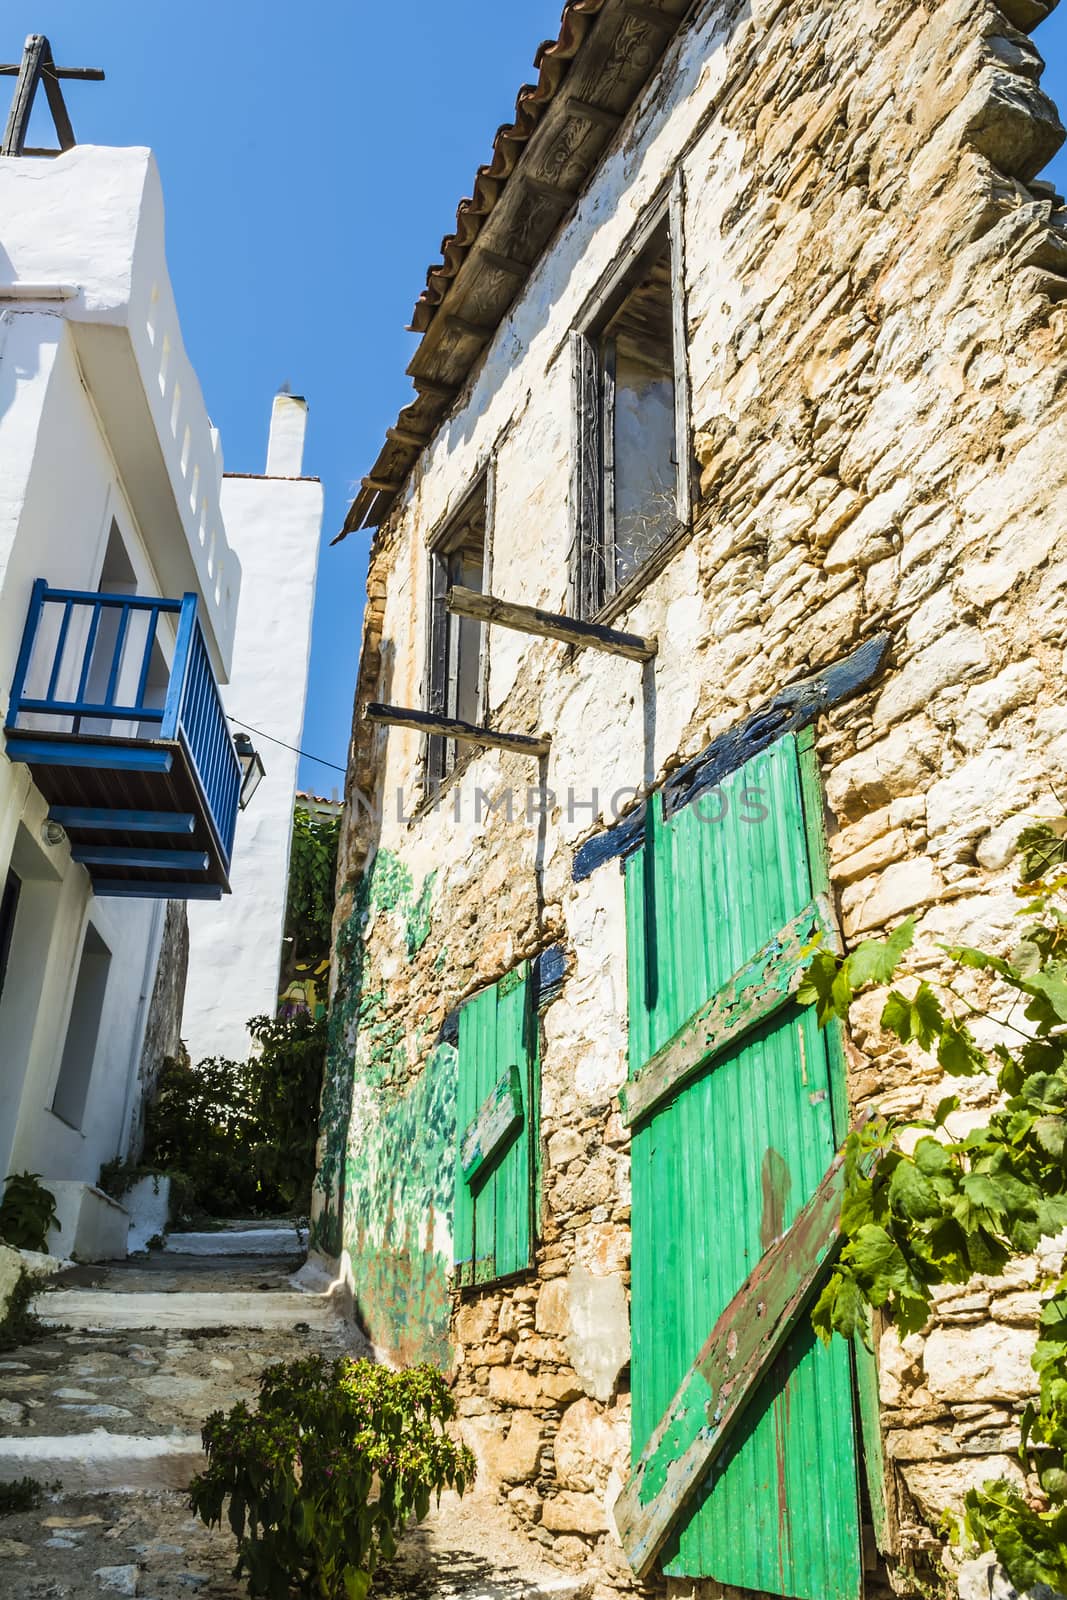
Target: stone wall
<point>877,359</point>
<point>162,1035</point>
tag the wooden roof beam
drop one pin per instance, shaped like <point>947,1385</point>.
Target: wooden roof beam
<point>549,625</point>
<point>451,728</point>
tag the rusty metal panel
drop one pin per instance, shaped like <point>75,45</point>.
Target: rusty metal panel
<point>493,1217</point>
<point>719,1171</point>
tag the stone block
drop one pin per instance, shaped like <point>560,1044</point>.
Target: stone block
<point>877,902</point>
<point>599,1342</point>
<point>511,1386</point>
<point>589,1443</point>
<point>553,1313</point>
<point>514,1458</point>
<point>986,1362</point>
<point>476,1320</point>
<point>568,1512</point>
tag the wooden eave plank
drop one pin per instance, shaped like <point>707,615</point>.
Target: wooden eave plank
<point>733,1361</point>
<point>440,359</point>
<point>497,1120</point>
<point>753,994</point>
<point>450,728</point>
<point>549,624</point>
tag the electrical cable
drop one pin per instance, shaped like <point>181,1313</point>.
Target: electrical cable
<point>294,748</point>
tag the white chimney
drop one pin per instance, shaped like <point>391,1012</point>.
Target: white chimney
<point>285,447</point>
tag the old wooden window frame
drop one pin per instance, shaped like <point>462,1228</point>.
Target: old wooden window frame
<point>441,759</point>
<point>592,595</point>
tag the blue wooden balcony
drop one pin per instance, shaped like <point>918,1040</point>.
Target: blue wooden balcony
<point>135,759</point>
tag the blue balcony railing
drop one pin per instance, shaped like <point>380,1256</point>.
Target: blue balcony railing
<point>93,693</point>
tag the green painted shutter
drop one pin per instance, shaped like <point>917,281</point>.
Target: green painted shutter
<point>493,1223</point>
<point>720,1168</point>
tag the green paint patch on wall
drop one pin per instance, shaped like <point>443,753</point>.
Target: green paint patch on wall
<point>398,1233</point>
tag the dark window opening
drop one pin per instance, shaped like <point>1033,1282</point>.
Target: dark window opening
<point>630,483</point>
<point>83,1031</point>
<point>9,903</point>
<point>456,679</point>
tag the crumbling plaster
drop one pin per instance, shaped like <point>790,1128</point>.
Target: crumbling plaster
<point>877,342</point>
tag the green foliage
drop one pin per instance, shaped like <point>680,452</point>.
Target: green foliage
<point>951,1207</point>
<point>203,1125</point>
<point>239,1137</point>
<point>19,1325</point>
<point>288,1087</point>
<point>312,872</point>
<point>27,1212</point>
<point>322,1477</point>
<point>23,1494</point>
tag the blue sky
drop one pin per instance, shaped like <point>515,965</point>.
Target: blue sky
<point>312,157</point>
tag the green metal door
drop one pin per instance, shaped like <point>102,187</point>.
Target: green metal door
<point>723,1162</point>
<point>496,1119</point>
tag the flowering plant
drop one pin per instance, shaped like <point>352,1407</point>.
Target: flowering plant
<point>324,1474</point>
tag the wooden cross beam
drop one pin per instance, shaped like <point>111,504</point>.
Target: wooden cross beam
<point>550,625</point>
<point>36,67</point>
<point>450,728</point>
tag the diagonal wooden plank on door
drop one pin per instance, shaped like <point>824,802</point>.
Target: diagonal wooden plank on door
<point>761,987</point>
<point>736,1355</point>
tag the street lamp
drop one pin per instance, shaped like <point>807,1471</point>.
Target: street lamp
<point>251,767</point>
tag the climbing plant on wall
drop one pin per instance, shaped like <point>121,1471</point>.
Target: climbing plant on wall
<point>312,872</point>
<point>923,1208</point>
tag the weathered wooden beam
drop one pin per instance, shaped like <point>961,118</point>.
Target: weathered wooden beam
<point>549,624</point>
<point>497,1120</point>
<point>470,330</point>
<point>652,14</point>
<point>590,113</point>
<point>443,391</point>
<point>29,76</point>
<point>755,992</point>
<point>382,485</point>
<point>732,1363</point>
<point>57,105</point>
<point>517,269</point>
<point>793,707</point>
<point>450,728</point>
<point>550,191</point>
<point>9,69</point>
<point>417,441</point>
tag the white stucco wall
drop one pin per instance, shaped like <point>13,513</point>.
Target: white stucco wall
<point>235,949</point>
<point>60,492</point>
<point>102,425</point>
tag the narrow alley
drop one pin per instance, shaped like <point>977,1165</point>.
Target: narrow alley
<point>104,1410</point>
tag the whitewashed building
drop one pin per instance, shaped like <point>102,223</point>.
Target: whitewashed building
<point>273,522</point>
<point>119,590</point>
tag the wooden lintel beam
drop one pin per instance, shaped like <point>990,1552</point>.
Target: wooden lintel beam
<point>590,113</point>
<point>382,485</point>
<point>450,728</point>
<point>405,436</point>
<point>470,330</point>
<point>516,269</point>
<point>749,998</point>
<point>550,625</point>
<point>734,1360</point>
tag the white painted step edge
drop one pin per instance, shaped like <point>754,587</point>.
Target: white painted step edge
<point>102,1461</point>
<point>104,1309</point>
<point>238,1242</point>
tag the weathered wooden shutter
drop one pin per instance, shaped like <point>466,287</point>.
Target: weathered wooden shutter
<point>496,1123</point>
<point>745,1454</point>
<point>437,666</point>
<point>586,554</point>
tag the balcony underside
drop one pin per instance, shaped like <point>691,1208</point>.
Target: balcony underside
<point>133,810</point>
